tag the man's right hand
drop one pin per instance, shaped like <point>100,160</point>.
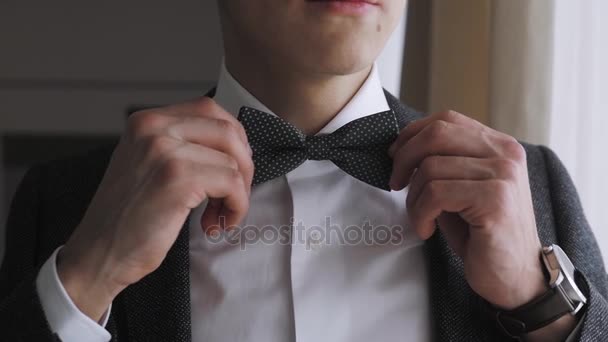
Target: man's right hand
<point>168,162</point>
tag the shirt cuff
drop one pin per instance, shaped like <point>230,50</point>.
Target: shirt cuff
<point>64,318</point>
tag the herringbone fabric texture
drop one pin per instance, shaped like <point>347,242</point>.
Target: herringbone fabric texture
<point>53,197</point>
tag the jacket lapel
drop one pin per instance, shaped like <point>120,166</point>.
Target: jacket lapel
<point>457,310</point>
<point>157,308</point>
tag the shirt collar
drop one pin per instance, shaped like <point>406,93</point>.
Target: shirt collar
<point>368,100</point>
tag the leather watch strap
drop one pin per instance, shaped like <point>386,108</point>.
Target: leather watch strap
<point>534,315</point>
<point>567,295</point>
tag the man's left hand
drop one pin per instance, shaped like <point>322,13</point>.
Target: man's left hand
<point>473,181</point>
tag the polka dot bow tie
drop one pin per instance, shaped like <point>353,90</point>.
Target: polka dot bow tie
<point>359,148</point>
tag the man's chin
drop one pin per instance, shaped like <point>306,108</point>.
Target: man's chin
<point>344,65</point>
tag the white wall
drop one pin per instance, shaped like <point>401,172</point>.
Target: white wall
<point>73,66</point>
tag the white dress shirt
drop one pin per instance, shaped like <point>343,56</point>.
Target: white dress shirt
<point>305,268</point>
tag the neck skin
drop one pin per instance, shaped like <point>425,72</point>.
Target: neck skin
<point>308,101</point>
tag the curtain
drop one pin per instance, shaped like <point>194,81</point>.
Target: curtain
<point>535,69</point>
<point>578,125</point>
<point>549,85</point>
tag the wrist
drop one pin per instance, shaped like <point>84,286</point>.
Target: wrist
<point>87,280</point>
<point>553,315</point>
<point>525,290</point>
<point>535,287</point>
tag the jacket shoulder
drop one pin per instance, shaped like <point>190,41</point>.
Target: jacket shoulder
<point>72,175</point>
<point>64,189</point>
<point>541,163</point>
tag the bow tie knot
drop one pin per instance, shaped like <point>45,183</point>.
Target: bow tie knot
<point>359,148</point>
<point>317,148</point>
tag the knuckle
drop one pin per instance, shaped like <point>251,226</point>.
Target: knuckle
<point>226,127</point>
<point>449,116</point>
<point>229,132</point>
<point>230,162</point>
<point>437,130</point>
<point>514,150</point>
<point>204,105</point>
<point>142,122</point>
<point>157,145</point>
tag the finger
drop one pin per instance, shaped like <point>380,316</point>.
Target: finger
<point>150,121</point>
<point>472,200</point>
<point>206,107</point>
<point>147,123</point>
<point>212,220</point>
<point>205,156</point>
<point>187,183</point>
<point>453,117</point>
<point>443,139</point>
<point>235,198</point>
<point>219,135</point>
<point>457,168</point>
<point>156,150</point>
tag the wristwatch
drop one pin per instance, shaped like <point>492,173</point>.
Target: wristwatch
<point>564,297</point>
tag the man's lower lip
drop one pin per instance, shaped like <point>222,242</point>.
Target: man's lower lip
<point>345,7</point>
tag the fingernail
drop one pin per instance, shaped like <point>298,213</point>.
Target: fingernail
<point>250,150</point>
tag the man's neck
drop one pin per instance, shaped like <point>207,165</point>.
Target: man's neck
<point>307,101</point>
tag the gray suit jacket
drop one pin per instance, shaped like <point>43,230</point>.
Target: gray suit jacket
<point>53,197</point>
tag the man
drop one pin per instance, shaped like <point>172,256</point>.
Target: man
<point>122,243</point>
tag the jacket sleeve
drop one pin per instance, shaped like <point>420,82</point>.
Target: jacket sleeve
<point>576,238</point>
<point>21,315</point>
